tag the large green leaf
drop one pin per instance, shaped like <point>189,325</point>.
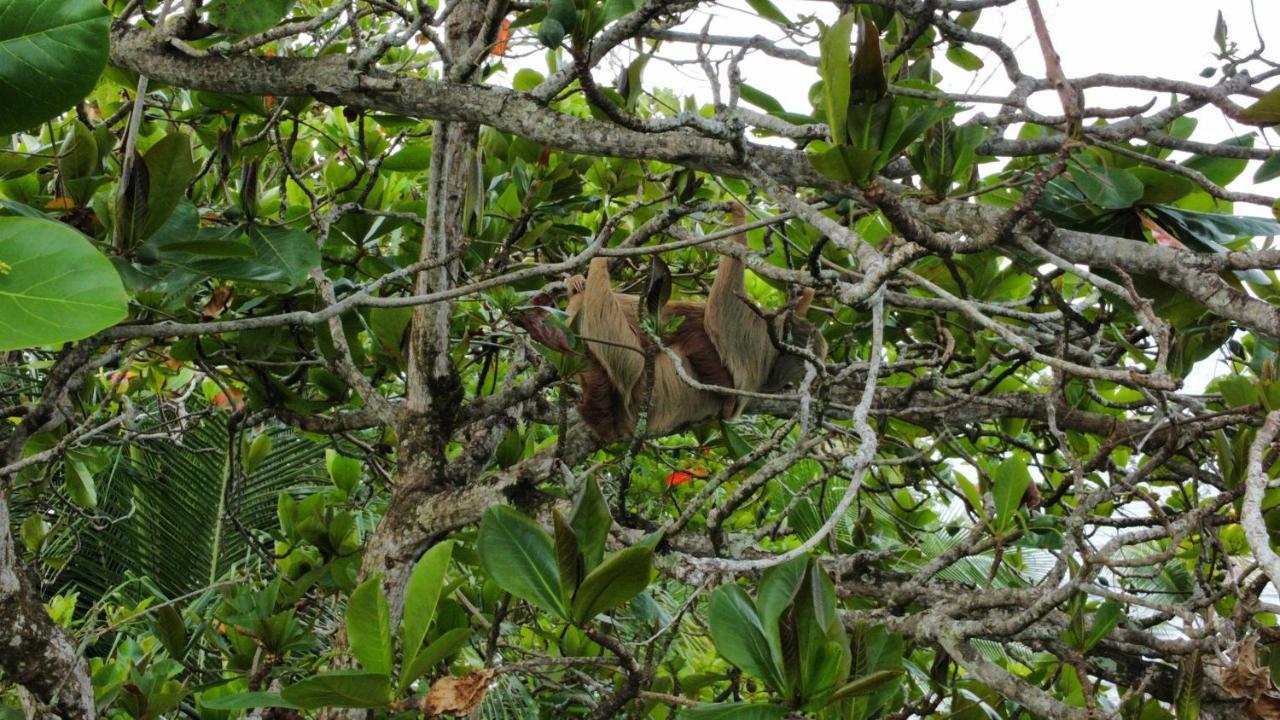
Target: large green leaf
<point>51,54</point>
<point>591,522</point>
<point>54,285</point>
<point>247,700</point>
<point>280,257</point>
<point>1222,170</point>
<point>568,556</point>
<point>170,168</point>
<point>420,599</point>
<point>766,9</point>
<point>835,72</point>
<point>249,16</point>
<point>344,688</point>
<point>1010,482</point>
<point>519,556</point>
<point>1266,111</point>
<point>441,648</point>
<point>1109,188</point>
<point>369,626</point>
<point>734,711</point>
<point>739,635</point>
<point>616,581</point>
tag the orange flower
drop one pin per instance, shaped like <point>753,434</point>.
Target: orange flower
<point>504,39</point>
<point>680,477</point>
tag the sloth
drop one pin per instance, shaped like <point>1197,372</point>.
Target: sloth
<point>723,342</point>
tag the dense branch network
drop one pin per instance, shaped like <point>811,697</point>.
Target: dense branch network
<point>930,371</point>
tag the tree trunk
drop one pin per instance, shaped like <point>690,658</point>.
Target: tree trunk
<point>34,651</point>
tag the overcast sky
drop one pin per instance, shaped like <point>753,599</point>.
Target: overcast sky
<point>1166,38</point>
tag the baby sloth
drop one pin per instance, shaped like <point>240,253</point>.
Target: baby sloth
<point>722,342</point>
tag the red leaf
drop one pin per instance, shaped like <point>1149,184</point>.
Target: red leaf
<point>504,39</point>
<point>679,477</point>
<point>1160,235</point>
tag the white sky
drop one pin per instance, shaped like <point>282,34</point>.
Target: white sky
<point>1165,38</point>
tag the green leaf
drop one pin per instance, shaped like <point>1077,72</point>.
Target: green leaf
<point>169,168</point>
<point>615,9</point>
<point>80,485</point>
<point>616,581</point>
<point>846,164</point>
<point>34,531</point>
<point>257,452</point>
<point>246,701</point>
<point>1222,170</point>
<point>1189,689</point>
<point>1266,111</point>
<point>369,627</point>
<point>835,71</point>
<point>51,54</point>
<point>866,684</point>
<point>54,285</point>
<point>414,157</point>
<point>442,647</point>
<point>1160,187</point>
<point>287,255</point>
<point>526,79</point>
<point>1010,482</point>
<point>591,523</point>
<point>1268,170</point>
<point>248,16</point>
<point>171,631</point>
<point>561,19</point>
<point>422,595</point>
<point>964,59</point>
<point>761,99</point>
<point>1236,390</point>
<point>343,471</point>
<point>868,83</point>
<point>766,9</point>
<point>1108,188</point>
<point>344,688</point>
<point>1105,619</point>
<point>734,711</point>
<point>739,635</point>
<point>568,555</point>
<point>519,556</point>
<point>777,590</point>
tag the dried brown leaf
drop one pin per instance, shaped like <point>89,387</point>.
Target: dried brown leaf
<point>457,695</point>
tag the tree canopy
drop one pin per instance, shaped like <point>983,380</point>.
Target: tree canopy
<point>288,386</point>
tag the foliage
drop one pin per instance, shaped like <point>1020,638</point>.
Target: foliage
<point>288,387</point>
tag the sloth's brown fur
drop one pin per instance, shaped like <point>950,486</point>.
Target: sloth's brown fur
<point>723,342</point>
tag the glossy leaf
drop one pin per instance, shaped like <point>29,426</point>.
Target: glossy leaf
<point>248,16</point>
<point>739,635</point>
<point>568,554</point>
<point>1266,111</point>
<point>369,627</point>
<point>54,285</point>
<point>618,579</point>
<point>422,594</point>
<point>247,701</point>
<point>734,711</point>
<point>344,688</point>
<point>433,654</point>
<point>51,54</point>
<point>766,9</point>
<point>1010,480</point>
<point>520,557</point>
<point>835,71</point>
<point>591,523</point>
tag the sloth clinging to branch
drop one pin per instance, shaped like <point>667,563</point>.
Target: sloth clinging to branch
<point>723,342</point>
